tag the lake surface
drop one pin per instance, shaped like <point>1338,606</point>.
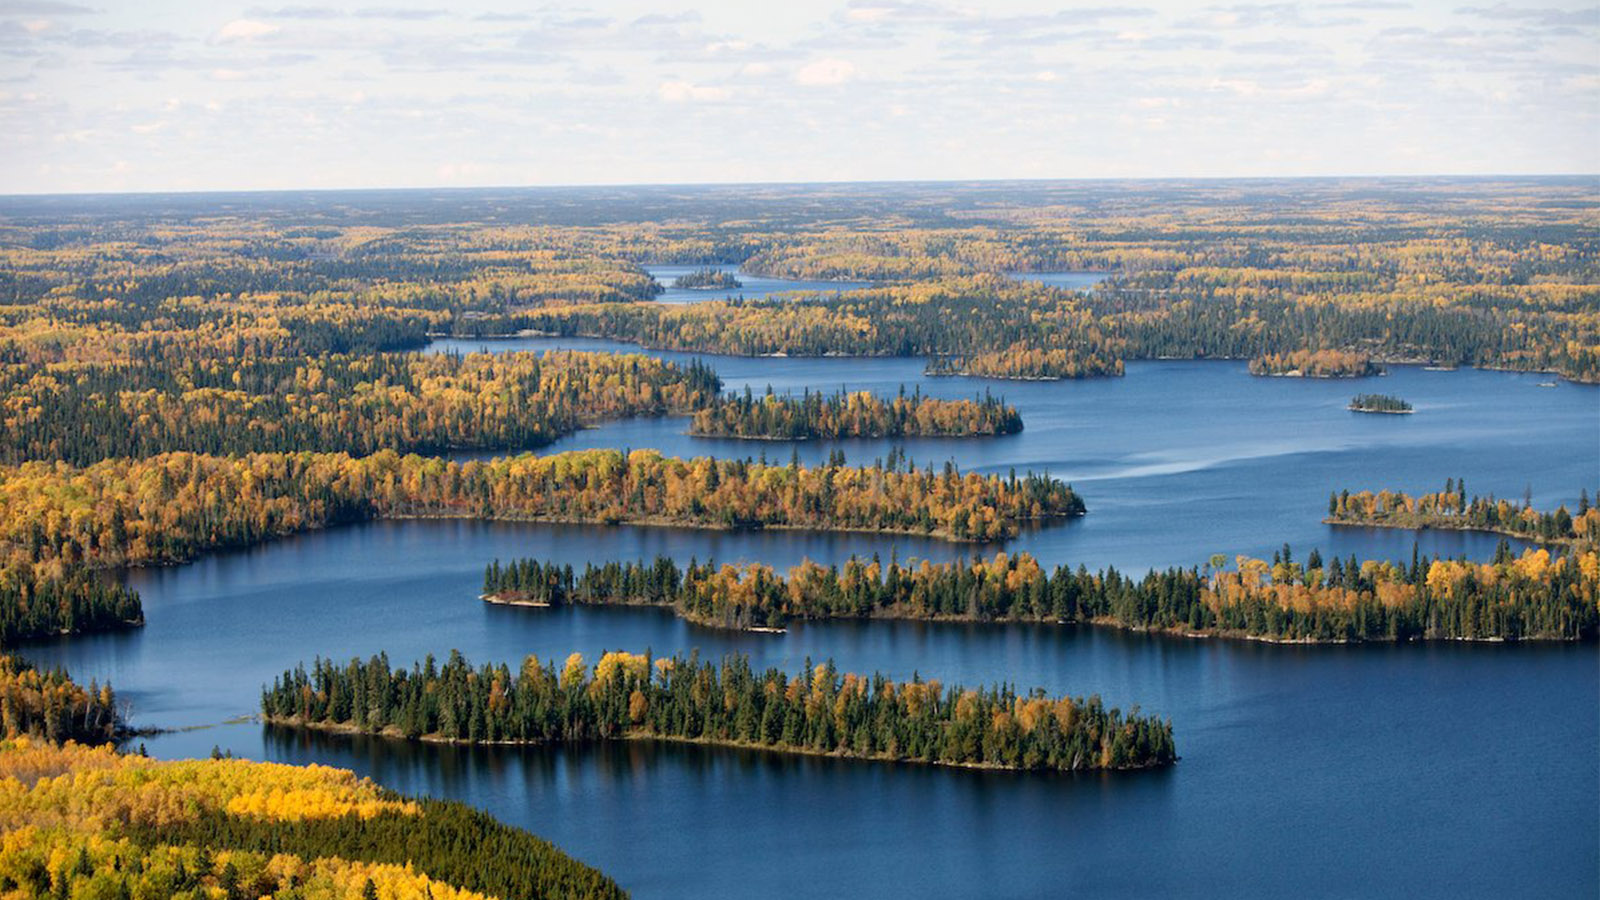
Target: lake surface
<point>751,287</point>
<point>1072,281</point>
<point>1180,460</point>
<point>1434,770</point>
<point>1430,770</point>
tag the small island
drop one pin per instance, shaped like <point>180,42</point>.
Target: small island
<point>1315,364</point>
<point>1380,403</point>
<point>707,279</point>
<point>817,711</point>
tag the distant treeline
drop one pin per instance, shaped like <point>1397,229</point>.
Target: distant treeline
<point>77,602</point>
<point>992,326</point>
<point>85,412</point>
<point>859,414</point>
<point>817,710</point>
<point>1004,327</point>
<point>1531,597</point>
<point>1450,508</point>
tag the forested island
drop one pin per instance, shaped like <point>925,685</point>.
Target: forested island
<point>628,696</point>
<point>1450,508</point>
<point>853,415</point>
<point>707,279</point>
<point>1379,403</point>
<point>1531,597</point>
<point>1317,364</point>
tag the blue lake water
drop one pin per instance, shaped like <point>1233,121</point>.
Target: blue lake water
<point>1072,281</point>
<point>1180,460</point>
<point>1424,771</point>
<point>751,287</point>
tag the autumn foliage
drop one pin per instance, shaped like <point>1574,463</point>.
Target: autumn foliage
<point>1534,596</point>
<point>80,822</point>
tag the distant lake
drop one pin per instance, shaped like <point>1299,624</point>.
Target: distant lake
<point>1438,770</point>
<point>1072,281</point>
<point>752,287</point>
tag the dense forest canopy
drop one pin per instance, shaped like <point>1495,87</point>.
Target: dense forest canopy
<point>1484,272</point>
<point>49,705</point>
<point>86,823</point>
<point>357,404</point>
<point>853,415</point>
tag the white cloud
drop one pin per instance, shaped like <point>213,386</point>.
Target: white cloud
<point>825,71</point>
<point>566,94</point>
<point>689,92</point>
<point>244,30</point>
<point>869,13</point>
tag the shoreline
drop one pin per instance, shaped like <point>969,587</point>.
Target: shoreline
<point>1172,631</point>
<point>503,598</point>
<point>1381,361</point>
<point>1453,526</point>
<point>390,732</point>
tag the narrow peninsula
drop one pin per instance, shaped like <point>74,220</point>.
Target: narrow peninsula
<point>1452,509</point>
<point>1531,597</point>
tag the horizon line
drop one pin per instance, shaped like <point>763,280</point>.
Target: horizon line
<point>1440,176</point>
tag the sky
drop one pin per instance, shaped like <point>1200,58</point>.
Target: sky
<point>179,95</point>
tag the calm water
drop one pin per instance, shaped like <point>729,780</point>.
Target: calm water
<point>1072,281</point>
<point>1425,770</point>
<point>1180,460</point>
<point>751,287</point>
<point>1422,771</point>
